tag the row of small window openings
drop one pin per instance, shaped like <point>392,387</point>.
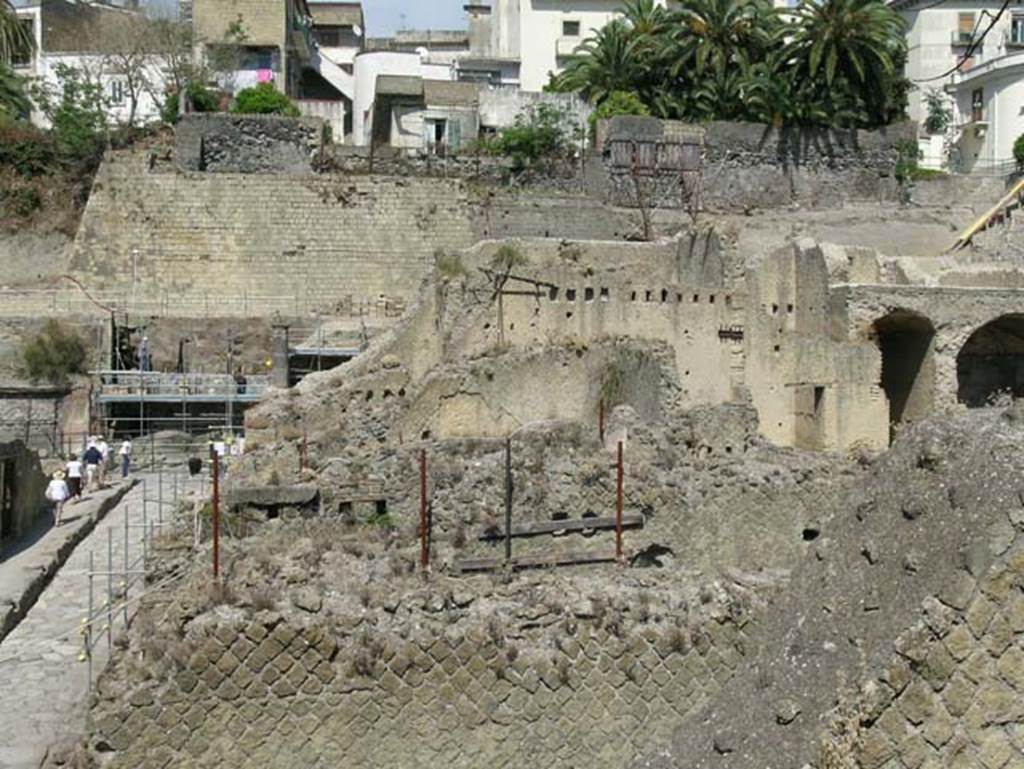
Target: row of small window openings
<point>775,309</point>
<point>588,296</point>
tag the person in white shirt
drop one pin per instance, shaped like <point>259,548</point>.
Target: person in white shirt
<point>125,452</point>
<point>74,471</point>
<point>57,492</point>
<point>104,448</point>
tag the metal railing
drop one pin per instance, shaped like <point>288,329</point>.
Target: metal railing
<point>158,383</point>
<point>115,588</point>
<point>69,302</point>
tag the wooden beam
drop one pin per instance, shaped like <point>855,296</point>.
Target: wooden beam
<point>533,561</point>
<point>550,527</point>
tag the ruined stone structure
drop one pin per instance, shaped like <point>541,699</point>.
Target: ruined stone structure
<point>21,489</point>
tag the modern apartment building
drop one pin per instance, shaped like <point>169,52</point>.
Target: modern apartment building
<point>974,56</point>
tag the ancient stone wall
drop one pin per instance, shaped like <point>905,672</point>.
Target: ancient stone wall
<point>219,142</point>
<point>227,235</point>
<point>270,693</point>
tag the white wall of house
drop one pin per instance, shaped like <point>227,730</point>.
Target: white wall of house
<point>937,39</point>
<point>368,66</point>
<point>990,114</point>
<point>99,70</point>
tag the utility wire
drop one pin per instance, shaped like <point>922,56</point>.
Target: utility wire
<point>975,44</point>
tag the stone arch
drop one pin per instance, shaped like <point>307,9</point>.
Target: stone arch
<point>992,361</point>
<point>906,340</point>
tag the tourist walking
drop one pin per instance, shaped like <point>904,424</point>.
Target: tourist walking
<point>104,448</point>
<point>92,457</point>
<point>57,492</point>
<point>125,452</point>
<point>74,472</point>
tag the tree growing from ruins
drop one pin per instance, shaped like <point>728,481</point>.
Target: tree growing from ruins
<point>835,63</point>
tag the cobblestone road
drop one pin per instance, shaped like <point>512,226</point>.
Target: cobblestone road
<point>43,685</point>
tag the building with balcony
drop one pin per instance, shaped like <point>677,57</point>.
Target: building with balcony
<point>953,51</point>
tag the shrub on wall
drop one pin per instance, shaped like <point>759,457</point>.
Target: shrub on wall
<point>1018,150</point>
<point>54,354</point>
<point>199,97</point>
<point>264,99</point>
<point>538,133</point>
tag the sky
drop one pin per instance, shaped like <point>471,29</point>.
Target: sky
<point>383,17</point>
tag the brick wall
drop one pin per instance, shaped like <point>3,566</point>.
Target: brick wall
<point>263,20</point>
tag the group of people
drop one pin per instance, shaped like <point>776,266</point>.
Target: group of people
<point>89,472</point>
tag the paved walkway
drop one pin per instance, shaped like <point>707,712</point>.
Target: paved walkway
<point>43,685</point>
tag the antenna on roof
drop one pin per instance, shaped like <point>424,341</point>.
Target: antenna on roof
<point>401,22</point>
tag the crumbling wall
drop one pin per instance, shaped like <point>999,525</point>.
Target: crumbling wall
<point>919,557</point>
<point>812,385</point>
<point>385,668</point>
<point>218,142</point>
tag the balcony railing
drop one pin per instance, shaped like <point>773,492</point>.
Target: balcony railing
<point>965,39</point>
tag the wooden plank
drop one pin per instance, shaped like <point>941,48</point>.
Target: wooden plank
<point>550,527</point>
<point>533,561</point>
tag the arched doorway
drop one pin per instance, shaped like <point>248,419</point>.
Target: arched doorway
<point>906,341</point>
<point>992,361</point>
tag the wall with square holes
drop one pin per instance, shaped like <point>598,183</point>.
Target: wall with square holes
<point>811,385</point>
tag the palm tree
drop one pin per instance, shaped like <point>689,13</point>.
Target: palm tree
<point>608,61</point>
<point>850,53</point>
<point>15,36</point>
<point>14,104</point>
<point>710,35</point>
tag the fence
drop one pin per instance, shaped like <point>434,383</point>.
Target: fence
<point>19,303</point>
<point>113,589</point>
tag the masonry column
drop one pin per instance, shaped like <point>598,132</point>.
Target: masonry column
<point>279,372</point>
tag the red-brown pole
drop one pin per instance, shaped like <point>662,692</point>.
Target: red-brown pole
<point>600,419</point>
<point>424,545</point>
<point>302,453</point>
<point>618,506</point>
<point>216,515</point>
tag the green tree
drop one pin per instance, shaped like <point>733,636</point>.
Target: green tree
<point>15,37</point>
<point>14,102</point>
<point>77,112</point>
<point>538,133</point>
<point>1018,151</point>
<point>264,99</point>
<point>939,114</point>
<point>54,354</point>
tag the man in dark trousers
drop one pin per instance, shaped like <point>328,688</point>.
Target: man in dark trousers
<point>93,457</point>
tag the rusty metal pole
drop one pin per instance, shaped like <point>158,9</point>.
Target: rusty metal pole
<point>600,419</point>
<point>424,544</point>
<point>216,513</point>
<point>302,451</point>
<point>618,506</point>
<point>508,500</point>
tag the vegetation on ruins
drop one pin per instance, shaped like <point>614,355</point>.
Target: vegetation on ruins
<point>539,133</point>
<point>939,114</point>
<point>263,99</point>
<point>618,103</point>
<point>834,63</point>
<point>54,354</point>
<point>1018,150</point>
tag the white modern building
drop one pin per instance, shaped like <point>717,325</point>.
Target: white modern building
<point>952,50</point>
<point>90,38</point>
<point>525,42</point>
